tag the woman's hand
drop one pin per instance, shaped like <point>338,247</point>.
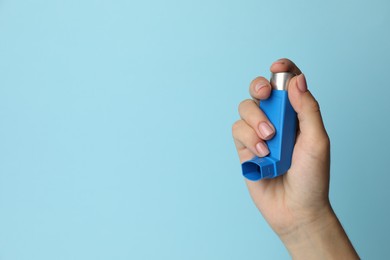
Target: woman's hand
<point>296,204</point>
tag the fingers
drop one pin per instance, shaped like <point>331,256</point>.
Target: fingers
<point>250,132</point>
<point>256,119</point>
<point>285,65</point>
<point>254,127</point>
<point>247,142</point>
<point>260,89</point>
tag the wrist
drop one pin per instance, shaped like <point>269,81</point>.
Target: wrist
<point>307,225</point>
<point>320,236</point>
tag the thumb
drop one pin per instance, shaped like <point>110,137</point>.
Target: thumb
<point>309,116</point>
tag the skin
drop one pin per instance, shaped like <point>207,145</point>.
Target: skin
<point>296,205</point>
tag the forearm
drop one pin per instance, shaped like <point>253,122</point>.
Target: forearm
<point>322,238</point>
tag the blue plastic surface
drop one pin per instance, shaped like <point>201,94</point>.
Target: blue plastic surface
<point>281,114</point>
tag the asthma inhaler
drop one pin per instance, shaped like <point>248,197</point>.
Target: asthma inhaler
<point>284,119</point>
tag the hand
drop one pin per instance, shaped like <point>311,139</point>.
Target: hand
<point>296,204</point>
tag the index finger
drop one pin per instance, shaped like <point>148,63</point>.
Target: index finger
<point>285,65</point>
<point>260,88</point>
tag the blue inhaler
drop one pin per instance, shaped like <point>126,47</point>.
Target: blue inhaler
<point>281,114</point>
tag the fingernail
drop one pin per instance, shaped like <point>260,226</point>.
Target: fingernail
<point>301,83</point>
<point>259,86</point>
<point>265,130</point>
<point>262,149</point>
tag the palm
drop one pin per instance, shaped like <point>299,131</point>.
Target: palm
<point>299,190</point>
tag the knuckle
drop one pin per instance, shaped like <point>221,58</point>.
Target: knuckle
<point>325,142</point>
<point>241,132</point>
<point>315,106</point>
<point>244,104</point>
<point>319,144</point>
<point>235,127</point>
<point>321,148</point>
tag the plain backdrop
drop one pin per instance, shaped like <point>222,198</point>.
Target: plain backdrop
<point>115,123</point>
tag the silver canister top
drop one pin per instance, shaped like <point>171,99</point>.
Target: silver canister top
<point>280,80</point>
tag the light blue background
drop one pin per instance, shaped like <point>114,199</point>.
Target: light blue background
<point>115,123</point>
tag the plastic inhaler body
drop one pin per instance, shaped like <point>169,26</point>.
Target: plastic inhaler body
<point>281,114</point>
